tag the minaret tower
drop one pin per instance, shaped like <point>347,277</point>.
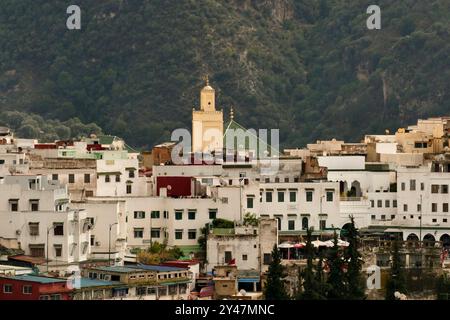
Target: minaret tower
<point>207,123</point>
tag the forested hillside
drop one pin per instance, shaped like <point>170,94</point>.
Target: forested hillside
<point>308,67</point>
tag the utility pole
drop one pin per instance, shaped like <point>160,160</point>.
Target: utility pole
<point>109,242</point>
<point>48,233</point>
<point>420,224</point>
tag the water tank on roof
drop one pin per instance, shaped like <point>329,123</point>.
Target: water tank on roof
<point>4,131</point>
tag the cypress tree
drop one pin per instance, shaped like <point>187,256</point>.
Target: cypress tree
<point>336,277</point>
<point>275,289</point>
<point>355,281</point>
<point>397,280</point>
<point>311,280</point>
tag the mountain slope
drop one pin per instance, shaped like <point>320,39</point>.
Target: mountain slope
<point>308,67</point>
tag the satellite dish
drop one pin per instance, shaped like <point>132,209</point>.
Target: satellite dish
<point>243,292</point>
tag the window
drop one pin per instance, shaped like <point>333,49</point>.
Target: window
<point>394,203</point>
<point>405,208</point>
<point>444,220</point>
<point>305,223</point>
<point>419,207</point>
<point>37,250</point>
<point>277,180</point>
<point>228,256</point>
<point>107,179</point>
<point>434,220</point>
<point>372,203</point>
<point>54,177</point>
<point>250,202</point>
<point>379,203</point>
<point>155,214</point>
<point>34,228</point>
<point>71,178</point>
<point>322,224</point>
<point>155,233</point>
<point>434,207</point>
<point>387,203</point>
<point>444,188</point>
<point>139,214</point>
<point>212,214</point>
<point>267,180</point>
<point>268,196</point>
<point>178,215</point>
<point>117,177</point>
<point>138,233</point>
<point>179,234</point>
<point>434,188</point>
<point>373,217</point>
<point>291,225</point>
<point>131,173</point>
<point>27,289</point>
<point>383,217</point>
<point>329,196</point>
<point>267,258</point>
<point>392,216</point>
<point>292,196</point>
<point>309,196</point>
<point>58,229</point>
<point>92,240</point>
<point>141,291</point>
<point>280,196</point>
<point>128,188</point>
<point>403,186</point>
<point>412,185</point>
<point>286,179</point>
<point>87,178</point>
<point>7,288</point>
<point>420,145</point>
<point>44,297</point>
<point>58,250</point>
<point>34,205</point>
<point>192,234</point>
<point>191,214</point>
<point>55,297</point>
<point>422,186</point>
<point>166,214</point>
<point>279,223</point>
<point>445,207</point>
<point>14,205</point>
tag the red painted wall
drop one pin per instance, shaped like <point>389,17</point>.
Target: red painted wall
<point>179,186</point>
<point>38,289</point>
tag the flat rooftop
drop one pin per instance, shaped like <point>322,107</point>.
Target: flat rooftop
<point>37,279</point>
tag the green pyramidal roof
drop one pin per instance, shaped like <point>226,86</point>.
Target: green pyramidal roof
<point>231,133</point>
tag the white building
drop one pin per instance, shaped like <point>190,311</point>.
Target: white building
<point>249,246</point>
<point>36,212</point>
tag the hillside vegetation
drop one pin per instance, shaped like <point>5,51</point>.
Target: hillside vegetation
<point>308,67</point>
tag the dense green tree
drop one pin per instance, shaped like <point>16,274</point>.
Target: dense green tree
<point>443,287</point>
<point>311,65</point>
<point>397,279</point>
<point>355,281</point>
<point>275,289</point>
<point>312,277</point>
<point>336,280</point>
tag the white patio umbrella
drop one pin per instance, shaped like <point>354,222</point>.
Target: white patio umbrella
<point>329,243</point>
<point>285,245</point>
<point>318,243</point>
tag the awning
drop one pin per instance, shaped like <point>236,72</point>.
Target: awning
<point>392,230</point>
<point>108,173</point>
<point>248,280</point>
